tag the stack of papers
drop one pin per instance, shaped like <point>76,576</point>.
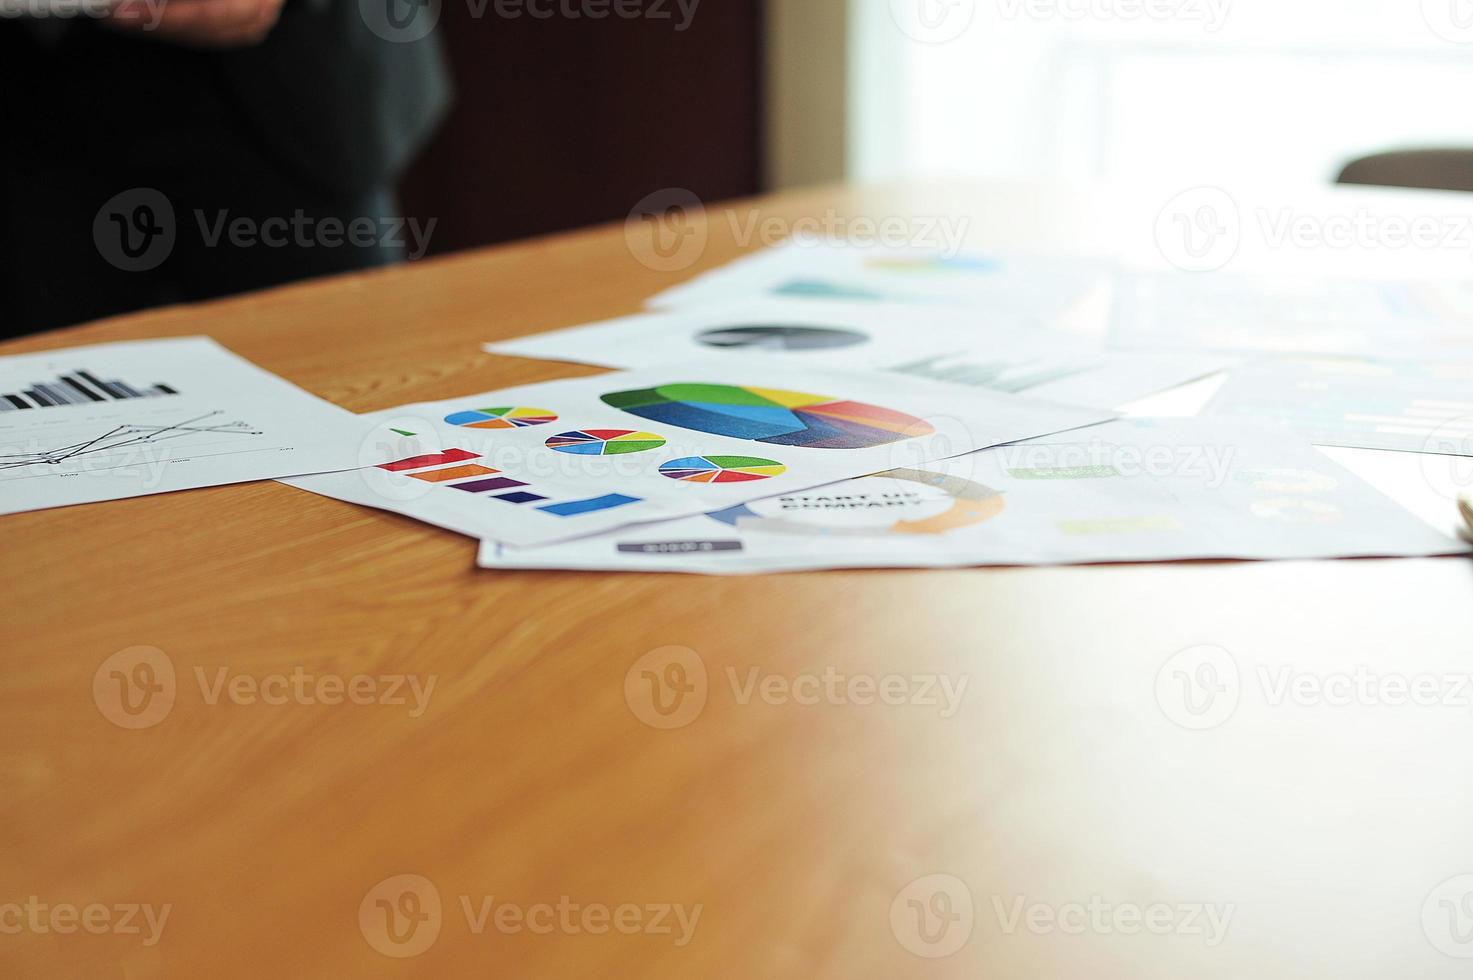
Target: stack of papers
<point>818,407</point>
<point>556,460</point>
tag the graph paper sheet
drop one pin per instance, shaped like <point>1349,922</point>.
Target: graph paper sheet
<point>109,421</point>
<point>979,349</point>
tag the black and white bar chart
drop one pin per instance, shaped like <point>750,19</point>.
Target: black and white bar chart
<point>77,388</point>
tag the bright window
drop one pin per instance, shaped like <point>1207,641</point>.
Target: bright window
<point>1215,89</point>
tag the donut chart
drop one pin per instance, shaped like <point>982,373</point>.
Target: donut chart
<point>501,418</point>
<point>971,504</point>
<point>770,415</point>
<point>722,469</point>
<point>604,442</point>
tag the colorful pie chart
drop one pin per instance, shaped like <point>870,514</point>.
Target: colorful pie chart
<point>770,415</point>
<point>501,418</point>
<point>604,442</point>
<point>722,469</point>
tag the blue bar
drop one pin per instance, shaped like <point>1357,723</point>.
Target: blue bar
<point>575,507</point>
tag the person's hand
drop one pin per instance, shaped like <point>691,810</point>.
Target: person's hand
<point>198,23</point>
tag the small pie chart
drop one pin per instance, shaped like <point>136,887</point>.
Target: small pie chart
<point>604,442</point>
<point>779,338</point>
<point>722,469</point>
<point>501,418</point>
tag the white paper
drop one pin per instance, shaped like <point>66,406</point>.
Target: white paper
<point>1015,284</point>
<point>1400,405</point>
<point>1131,490</point>
<point>1294,315</point>
<point>109,421</point>
<point>538,493</point>
<point>972,347</point>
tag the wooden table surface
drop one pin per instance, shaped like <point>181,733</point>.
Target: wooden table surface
<point>1041,791</point>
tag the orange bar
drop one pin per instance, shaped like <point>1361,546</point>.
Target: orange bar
<point>454,473</point>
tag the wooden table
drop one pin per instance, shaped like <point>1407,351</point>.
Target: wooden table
<point>1090,821</point>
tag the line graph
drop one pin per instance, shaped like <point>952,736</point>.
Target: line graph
<point>126,437</point>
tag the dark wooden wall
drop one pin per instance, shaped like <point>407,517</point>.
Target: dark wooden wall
<point>569,121</point>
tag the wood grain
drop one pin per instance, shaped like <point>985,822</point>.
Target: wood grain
<point>1060,777</point>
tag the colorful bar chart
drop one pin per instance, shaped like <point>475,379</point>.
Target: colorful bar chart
<point>451,470</point>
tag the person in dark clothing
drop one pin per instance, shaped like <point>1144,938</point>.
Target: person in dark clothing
<point>177,150</point>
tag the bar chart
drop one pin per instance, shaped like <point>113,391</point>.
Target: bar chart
<point>78,388</point>
<point>1010,376</point>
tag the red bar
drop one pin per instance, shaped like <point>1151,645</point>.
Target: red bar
<point>434,459</point>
